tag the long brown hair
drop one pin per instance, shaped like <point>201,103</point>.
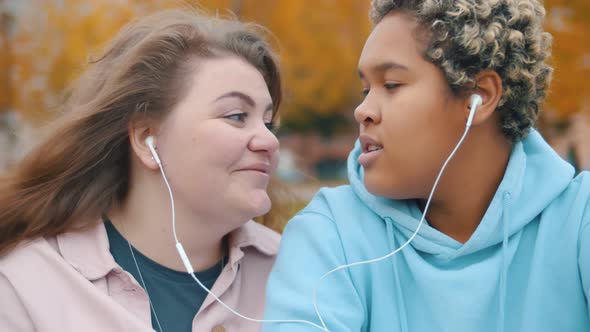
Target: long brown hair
<point>82,167</point>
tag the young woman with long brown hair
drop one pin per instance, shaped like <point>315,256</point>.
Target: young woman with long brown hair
<point>87,238</point>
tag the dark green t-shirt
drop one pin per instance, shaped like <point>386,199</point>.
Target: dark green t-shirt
<point>175,296</point>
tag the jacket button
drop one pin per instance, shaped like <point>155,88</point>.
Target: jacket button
<point>218,328</point>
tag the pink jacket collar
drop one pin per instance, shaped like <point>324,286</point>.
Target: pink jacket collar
<point>88,252</point>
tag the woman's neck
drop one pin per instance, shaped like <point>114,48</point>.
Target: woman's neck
<point>469,185</point>
<point>145,220</point>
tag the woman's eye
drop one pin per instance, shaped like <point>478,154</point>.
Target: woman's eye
<point>391,86</point>
<point>240,117</point>
<point>270,125</point>
<point>365,92</point>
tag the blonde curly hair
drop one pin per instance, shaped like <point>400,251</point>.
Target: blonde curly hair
<point>469,36</point>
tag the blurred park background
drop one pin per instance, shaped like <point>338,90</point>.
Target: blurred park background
<point>45,43</point>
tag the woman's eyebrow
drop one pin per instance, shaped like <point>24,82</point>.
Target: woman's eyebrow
<point>237,94</point>
<point>383,67</point>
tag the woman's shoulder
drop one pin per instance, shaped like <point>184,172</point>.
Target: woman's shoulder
<point>330,201</point>
<point>81,252</point>
<point>27,253</point>
<point>335,217</point>
<point>575,199</point>
<point>581,185</point>
<point>30,266</point>
<point>337,208</point>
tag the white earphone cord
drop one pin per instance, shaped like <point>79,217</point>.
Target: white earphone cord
<point>190,269</point>
<point>145,287</point>
<point>475,102</point>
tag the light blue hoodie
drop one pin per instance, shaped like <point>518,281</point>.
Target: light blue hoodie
<point>525,268</point>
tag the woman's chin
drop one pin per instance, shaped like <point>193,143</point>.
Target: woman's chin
<point>258,204</point>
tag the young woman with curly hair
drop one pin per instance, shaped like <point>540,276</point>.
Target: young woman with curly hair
<point>458,216</point>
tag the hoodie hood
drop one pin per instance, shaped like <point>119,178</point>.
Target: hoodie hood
<point>517,201</point>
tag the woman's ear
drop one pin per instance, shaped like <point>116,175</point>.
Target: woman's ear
<point>139,147</point>
<point>489,87</point>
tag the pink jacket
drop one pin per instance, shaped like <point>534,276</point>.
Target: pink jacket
<point>72,283</point>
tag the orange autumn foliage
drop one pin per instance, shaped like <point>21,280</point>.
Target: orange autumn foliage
<point>569,22</point>
<point>319,43</point>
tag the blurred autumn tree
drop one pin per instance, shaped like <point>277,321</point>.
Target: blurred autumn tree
<point>51,42</point>
<point>5,62</point>
<point>319,43</point>
<point>569,22</point>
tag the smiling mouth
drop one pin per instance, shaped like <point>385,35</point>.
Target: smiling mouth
<point>258,167</point>
<point>369,144</point>
<point>372,148</point>
<point>254,170</point>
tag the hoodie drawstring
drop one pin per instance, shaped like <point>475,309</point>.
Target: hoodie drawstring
<point>504,272</point>
<point>403,318</point>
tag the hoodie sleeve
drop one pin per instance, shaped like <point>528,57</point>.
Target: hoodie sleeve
<point>310,247</point>
<point>584,261</point>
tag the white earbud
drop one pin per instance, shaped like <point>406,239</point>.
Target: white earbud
<point>150,143</point>
<point>476,101</point>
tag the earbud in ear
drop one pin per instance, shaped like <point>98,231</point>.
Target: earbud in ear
<point>476,101</point>
<point>150,143</point>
